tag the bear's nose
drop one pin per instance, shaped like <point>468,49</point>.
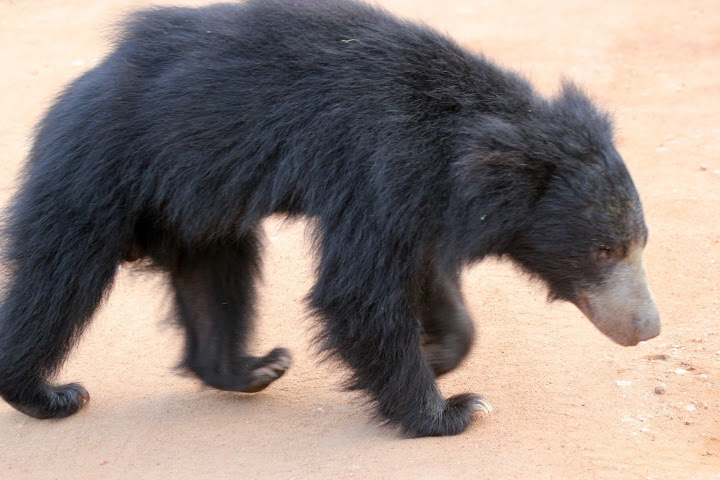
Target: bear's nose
<point>623,307</point>
<point>648,325</point>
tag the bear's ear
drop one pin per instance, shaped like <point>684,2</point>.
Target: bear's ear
<point>572,108</point>
<point>571,95</point>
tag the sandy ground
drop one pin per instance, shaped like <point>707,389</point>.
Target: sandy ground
<point>568,402</point>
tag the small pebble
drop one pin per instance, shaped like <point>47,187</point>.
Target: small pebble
<point>680,371</point>
<point>623,383</point>
<point>690,408</point>
<point>660,389</point>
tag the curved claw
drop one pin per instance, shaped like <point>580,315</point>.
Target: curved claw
<point>482,406</point>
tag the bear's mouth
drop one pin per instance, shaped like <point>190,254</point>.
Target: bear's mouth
<point>623,308</point>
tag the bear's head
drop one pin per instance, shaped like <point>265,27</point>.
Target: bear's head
<point>586,241</point>
<point>547,187</point>
<point>586,234</point>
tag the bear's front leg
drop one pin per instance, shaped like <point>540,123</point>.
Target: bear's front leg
<point>447,329</point>
<point>383,349</point>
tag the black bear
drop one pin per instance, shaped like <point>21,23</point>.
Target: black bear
<point>411,157</point>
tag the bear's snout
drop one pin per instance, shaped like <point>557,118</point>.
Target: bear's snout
<point>623,308</point>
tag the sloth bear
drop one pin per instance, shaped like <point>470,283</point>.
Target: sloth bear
<point>412,157</point>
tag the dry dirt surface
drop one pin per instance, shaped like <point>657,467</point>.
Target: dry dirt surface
<point>568,403</point>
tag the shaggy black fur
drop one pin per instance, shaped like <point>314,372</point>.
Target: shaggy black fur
<point>412,156</point>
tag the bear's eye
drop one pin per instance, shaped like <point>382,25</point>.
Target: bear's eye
<point>604,253</point>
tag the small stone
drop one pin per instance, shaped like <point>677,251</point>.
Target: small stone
<point>690,408</point>
<point>623,383</point>
<point>703,167</point>
<point>680,371</point>
<point>660,389</point>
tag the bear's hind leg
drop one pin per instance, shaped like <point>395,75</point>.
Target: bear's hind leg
<point>59,269</point>
<point>447,327</point>
<point>215,293</point>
